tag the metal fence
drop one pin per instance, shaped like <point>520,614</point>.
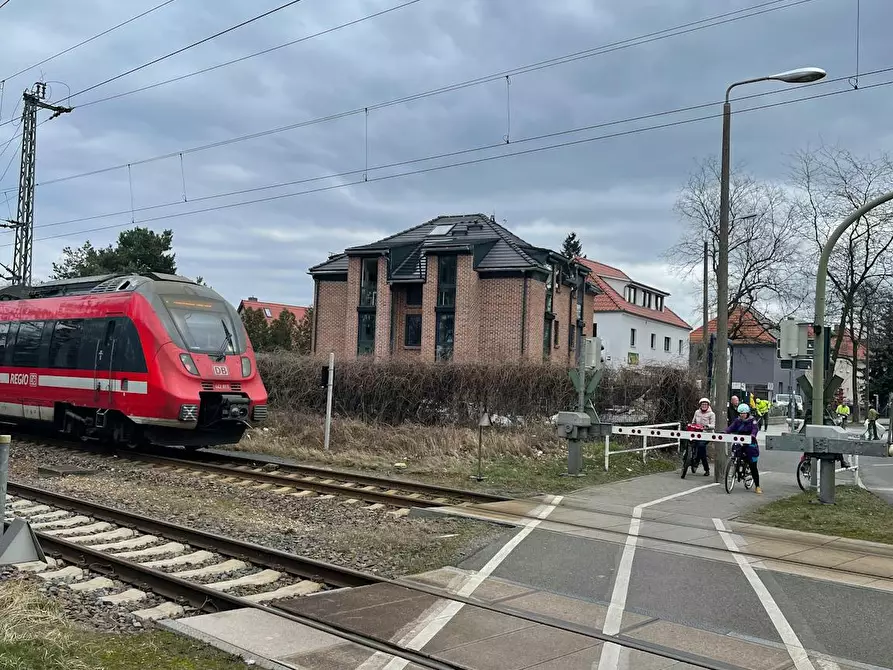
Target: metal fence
<point>645,448</point>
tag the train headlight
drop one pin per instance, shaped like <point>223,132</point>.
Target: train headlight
<point>189,364</point>
<point>246,366</point>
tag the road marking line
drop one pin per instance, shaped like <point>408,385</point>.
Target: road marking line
<point>431,625</point>
<point>785,631</point>
<point>610,656</point>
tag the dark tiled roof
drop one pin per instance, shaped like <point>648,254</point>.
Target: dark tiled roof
<point>336,264</point>
<point>502,250</point>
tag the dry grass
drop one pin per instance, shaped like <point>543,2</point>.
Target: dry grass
<point>26,618</point>
<point>516,461</point>
<point>35,635</point>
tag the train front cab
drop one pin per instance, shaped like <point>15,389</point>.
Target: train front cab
<point>212,390</point>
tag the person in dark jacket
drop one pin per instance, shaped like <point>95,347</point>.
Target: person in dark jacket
<point>732,410</point>
<point>745,424</point>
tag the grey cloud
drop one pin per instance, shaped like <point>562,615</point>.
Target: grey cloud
<point>617,193</point>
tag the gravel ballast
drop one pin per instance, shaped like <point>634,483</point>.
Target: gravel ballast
<point>326,529</point>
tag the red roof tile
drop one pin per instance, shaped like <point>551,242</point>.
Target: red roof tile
<point>275,309</point>
<point>611,301</point>
<point>744,323</point>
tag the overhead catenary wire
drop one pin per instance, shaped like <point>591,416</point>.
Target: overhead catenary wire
<point>241,59</point>
<point>176,52</point>
<point>666,33</point>
<point>465,163</point>
<point>452,154</point>
<point>90,39</point>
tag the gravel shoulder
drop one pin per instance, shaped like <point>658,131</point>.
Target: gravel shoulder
<point>326,529</point>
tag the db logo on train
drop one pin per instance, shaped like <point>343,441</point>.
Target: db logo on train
<point>221,371</point>
<point>23,379</point>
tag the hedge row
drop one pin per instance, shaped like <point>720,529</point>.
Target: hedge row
<point>456,394</point>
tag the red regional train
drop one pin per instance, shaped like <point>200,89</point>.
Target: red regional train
<point>138,359</point>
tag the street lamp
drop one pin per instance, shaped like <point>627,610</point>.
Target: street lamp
<point>799,76</point>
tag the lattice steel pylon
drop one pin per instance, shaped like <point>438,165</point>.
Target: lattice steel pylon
<point>24,221</point>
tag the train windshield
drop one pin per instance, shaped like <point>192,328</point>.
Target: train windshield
<point>205,325</point>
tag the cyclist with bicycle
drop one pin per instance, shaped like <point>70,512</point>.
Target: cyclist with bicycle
<point>745,424</point>
<point>706,419</point>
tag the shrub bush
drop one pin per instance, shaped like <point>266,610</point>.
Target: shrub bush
<point>456,394</point>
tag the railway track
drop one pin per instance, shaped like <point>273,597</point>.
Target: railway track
<point>296,479</point>
<point>185,565</point>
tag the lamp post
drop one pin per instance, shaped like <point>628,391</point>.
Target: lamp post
<point>799,76</point>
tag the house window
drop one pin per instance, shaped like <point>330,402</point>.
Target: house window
<point>550,284</point>
<point>632,337</point>
<point>680,347</point>
<point>446,328</point>
<point>413,333</point>
<point>594,329</point>
<point>632,295</point>
<point>667,344</point>
<point>648,298</point>
<point>660,304</point>
<point>366,333</point>
<point>369,282</point>
<point>653,341</point>
<point>555,334</point>
<point>268,312</point>
<point>446,281</point>
<point>414,295</point>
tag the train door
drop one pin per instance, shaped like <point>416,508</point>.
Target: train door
<point>103,365</point>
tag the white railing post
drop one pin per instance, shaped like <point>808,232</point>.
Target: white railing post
<point>644,447</point>
<point>607,450</point>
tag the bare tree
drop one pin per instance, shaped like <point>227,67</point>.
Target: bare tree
<point>765,274</point>
<point>831,183</point>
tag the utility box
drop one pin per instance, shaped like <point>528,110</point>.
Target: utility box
<point>573,425</point>
<point>595,353</point>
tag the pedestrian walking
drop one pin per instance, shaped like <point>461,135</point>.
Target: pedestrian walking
<point>732,412</point>
<point>706,418</point>
<point>872,424</point>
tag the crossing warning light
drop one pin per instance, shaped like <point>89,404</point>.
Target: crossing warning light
<point>595,353</point>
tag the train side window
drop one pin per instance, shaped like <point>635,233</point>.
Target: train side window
<point>4,328</point>
<point>10,342</point>
<point>128,349</point>
<point>91,332</point>
<point>26,351</point>
<point>65,344</point>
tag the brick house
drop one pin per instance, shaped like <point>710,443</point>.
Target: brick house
<point>459,288</point>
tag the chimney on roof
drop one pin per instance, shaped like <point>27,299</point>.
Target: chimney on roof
<point>251,298</point>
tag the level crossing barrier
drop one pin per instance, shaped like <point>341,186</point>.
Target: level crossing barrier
<point>670,431</point>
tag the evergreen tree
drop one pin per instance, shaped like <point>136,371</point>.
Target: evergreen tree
<point>283,331</point>
<point>880,362</point>
<point>304,333</point>
<point>257,328</point>
<point>137,250</point>
<point>572,247</point>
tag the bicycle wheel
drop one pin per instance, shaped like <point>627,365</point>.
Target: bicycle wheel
<point>731,473</point>
<point>686,459</point>
<point>804,474</point>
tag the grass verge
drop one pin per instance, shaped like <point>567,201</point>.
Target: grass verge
<point>515,461</point>
<point>34,635</point>
<point>857,514</point>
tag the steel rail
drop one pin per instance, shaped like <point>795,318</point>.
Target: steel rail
<point>307,568</point>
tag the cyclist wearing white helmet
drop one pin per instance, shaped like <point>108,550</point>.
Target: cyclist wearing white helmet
<point>704,417</point>
<point>745,424</point>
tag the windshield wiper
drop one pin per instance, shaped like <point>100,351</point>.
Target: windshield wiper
<point>227,341</point>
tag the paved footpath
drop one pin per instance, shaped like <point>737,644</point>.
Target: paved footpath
<point>657,562</point>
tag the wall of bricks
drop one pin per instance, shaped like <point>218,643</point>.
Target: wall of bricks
<point>500,328</point>
<point>329,313</point>
<point>401,352</point>
<point>429,301</point>
<point>536,309</point>
<point>468,312</point>
<point>383,313</point>
<point>350,323</point>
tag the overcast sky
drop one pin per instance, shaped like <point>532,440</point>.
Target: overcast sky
<point>616,193</point>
